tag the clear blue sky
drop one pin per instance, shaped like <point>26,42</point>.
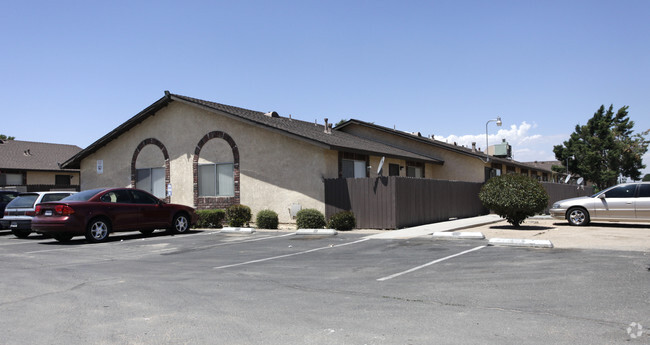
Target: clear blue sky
<point>71,71</point>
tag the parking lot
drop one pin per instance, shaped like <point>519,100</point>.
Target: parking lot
<point>275,287</point>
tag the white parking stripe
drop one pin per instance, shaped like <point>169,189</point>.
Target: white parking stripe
<point>289,255</point>
<point>429,264</point>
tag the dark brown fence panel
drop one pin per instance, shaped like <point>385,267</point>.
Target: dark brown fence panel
<point>558,191</point>
<point>397,202</point>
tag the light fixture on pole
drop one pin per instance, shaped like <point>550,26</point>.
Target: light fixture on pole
<point>499,123</point>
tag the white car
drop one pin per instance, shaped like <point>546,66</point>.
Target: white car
<point>627,202</point>
<point>20,211</point>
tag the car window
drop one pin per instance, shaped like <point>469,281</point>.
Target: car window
<point>626,191</point>
<point>143,198</point>
<point>644,191</point>
<point>83,196</point>
<point>23,201</point>
<point>118,196</point>
<point>54,197</point>
<point>6,197</point>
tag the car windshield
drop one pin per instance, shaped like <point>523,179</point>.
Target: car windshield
<point>23,201</point>
<point>83,196</point>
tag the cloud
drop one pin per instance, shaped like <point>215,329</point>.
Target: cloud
<point>526,145</point>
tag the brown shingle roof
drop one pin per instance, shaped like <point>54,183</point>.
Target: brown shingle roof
<point>307,131</point>
<point>29,155</point>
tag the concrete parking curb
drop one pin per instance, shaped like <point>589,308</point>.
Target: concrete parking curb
<point>229,230</point>
<point>321,232</point>
<point>517,242</point>
<point>459,235</point>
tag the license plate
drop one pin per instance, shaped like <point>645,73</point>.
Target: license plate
<point>13,225</point>
<point>48,212</point>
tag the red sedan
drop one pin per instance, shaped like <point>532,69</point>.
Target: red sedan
<point>96,213</point>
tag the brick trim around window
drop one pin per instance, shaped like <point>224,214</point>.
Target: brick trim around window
<point>143,143</point>
<point>205,202</point>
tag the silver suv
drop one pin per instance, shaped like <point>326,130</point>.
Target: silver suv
<point>20,211</point>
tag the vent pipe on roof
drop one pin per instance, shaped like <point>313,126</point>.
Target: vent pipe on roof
<point>473,146</point>
<point>328,126</point>
<point>272,114</point>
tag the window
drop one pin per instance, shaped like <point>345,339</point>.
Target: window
<point>11,179</point>
<point>393,169</point>
<point>54,196</point>
<point>621,192</point>
<point>151,180</point>
<point>644,190</point>
<point>62,180</point>
<point>415,169</point>
<point>217,179</point>
<point>121,196</point>
<point>142,198</point>
<point>353,168</point>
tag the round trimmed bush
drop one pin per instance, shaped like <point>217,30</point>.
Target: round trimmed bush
<point>310,218</point>
<point>343,221</point>
<point>267,219</point>
<point>210,218</point>
<point>238,215</point>
<point>514,197</point>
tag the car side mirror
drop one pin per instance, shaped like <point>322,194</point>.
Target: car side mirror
<point>601,196</point>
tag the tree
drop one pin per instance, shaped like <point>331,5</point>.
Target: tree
<point>605,148</point>
<point>646,177</point>
<point>514,197</point>
<point>4,137</point>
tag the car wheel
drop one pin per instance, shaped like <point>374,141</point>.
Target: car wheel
<point>180,224</point>
<point>578,216</point>
<point>98,230</point>
<point>21,233</point>
<point>62,238</point>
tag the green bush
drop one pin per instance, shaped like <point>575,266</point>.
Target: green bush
<point>343,221</point>
<point>310,218</point>
<point>210,218</point>
<point>238,215</point>
<point>266,219</point>
<point>514,197</point>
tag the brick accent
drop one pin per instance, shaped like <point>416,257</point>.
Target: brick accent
<point>213,202</point>
<point>143,143</point>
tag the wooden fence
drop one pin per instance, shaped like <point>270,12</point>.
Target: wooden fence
<point>391,202</point>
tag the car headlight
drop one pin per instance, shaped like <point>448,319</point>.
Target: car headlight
<point>556,205</point>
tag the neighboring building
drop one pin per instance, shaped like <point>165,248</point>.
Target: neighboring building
<point>210,155</point>
<point>33,166</point>
<point>459,163</point>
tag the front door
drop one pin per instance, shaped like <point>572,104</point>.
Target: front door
<point>618,203</point>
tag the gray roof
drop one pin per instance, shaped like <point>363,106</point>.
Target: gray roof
<point>29,155</point>
<point>301,130</point>
<point>443,145</point>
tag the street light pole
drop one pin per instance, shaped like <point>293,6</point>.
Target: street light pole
<point>498,121</point>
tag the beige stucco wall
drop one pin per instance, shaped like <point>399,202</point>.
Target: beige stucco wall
<point>49,177</point>
<point>276,170</point>
<point>456,166</point>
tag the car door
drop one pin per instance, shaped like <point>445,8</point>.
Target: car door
<point>642,204</point>
<point>617,203</point>
<point>151,213</point>
<point>121,210</point>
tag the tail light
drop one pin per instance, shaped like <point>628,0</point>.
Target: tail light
<point>30,213</point>
<point>63,210</point>
<point>37,210</point>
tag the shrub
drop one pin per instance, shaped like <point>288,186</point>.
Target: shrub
<point>514,197</point>
<point>267,219</point>
<point>238,215</point>
<point>310,218</point>
<point>343,221</point>
<point>210,218</point>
